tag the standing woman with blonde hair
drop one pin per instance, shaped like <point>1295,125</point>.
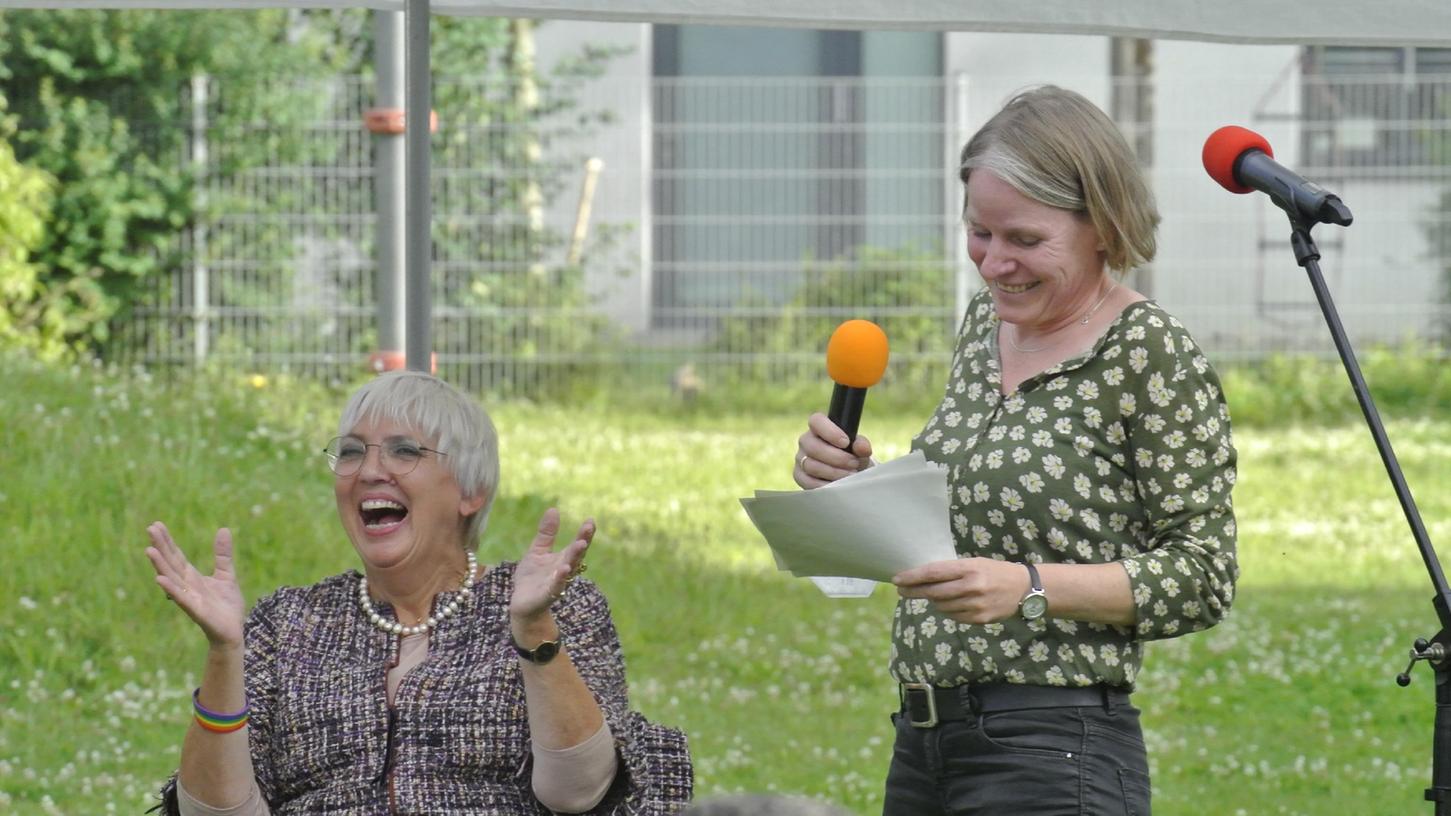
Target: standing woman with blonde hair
<point>1090,465</point>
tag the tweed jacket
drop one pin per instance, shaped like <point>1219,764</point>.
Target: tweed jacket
<point>324,739</point>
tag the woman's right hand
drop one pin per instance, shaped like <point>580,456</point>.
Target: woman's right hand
<point>821,457</point>
<point>214,602</point>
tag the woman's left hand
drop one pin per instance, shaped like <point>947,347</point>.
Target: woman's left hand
<point>968,590</point>
<point>542,573</point>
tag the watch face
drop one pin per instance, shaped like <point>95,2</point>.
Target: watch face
<point>1034,606</point>
<point>546,651</point>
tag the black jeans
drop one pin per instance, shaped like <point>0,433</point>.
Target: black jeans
<point>1072,761</point>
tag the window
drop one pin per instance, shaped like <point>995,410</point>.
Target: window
<point>1376,108</point>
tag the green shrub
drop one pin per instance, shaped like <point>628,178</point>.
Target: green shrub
<point>908,291</point>
<point>27,319</point>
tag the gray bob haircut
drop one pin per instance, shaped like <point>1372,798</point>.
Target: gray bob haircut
<point>1059,149</point>
<point>455,423</point>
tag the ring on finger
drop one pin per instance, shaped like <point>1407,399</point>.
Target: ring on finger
<point>801,463</point>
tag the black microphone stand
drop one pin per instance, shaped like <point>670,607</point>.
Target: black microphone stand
<point>1437,649</point>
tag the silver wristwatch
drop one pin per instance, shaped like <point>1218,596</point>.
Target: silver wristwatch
<point>1035,601</point>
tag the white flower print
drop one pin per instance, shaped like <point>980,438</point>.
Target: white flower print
<point>1011,499</point>
<point>1011,648</point>
<point>977,644</point>
<point>1153,423</point>
<point>1063,425</point>
<point>1090,519</point>
<point>1021,456</point>
<point>980,492</point>
<point>1171,587</point>
<point>1060,509</point>
<point>1017,433</point>
<point>1114,376</point>
<point>1184,414</point>
<point>1062,403</point>
<point>1175,439</point>
<point>1042,438</point>
<point>1082,486</point>
<point>1037,414</point>
<point>1032,482</point>
<point>996,517</point>
<point>1092,417</point>
<point>928,627</point>
<point>943,654</point>
<point>1038,651</point>
<point>950,446</point>
<point>1053,464</point>
<point>952,420</point>
<point>1115,434</point>
<point>1127,404</point>
<point>995,459</point>
<point>931,438</point>
<point>1088,390</point>
<point>1138,359</point>
<point>1057,540</point>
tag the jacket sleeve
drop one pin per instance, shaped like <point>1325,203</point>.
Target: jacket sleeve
<point>1184,461</point>
<point>655,775</point>
<point>260,638</point>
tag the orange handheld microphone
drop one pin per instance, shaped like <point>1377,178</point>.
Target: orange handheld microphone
<point>856,358</point>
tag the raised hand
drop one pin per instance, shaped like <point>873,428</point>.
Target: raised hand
<point>541,574</point>
<point>213,602</point>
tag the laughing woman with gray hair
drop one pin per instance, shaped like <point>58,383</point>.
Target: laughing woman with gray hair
<point>426,682</point>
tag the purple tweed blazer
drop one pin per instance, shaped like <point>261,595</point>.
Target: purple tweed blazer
<point>323,738</point>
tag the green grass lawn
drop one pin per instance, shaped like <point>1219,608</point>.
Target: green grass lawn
<point>1289,707</point>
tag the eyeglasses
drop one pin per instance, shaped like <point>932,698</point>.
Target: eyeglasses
<point>345,455</point>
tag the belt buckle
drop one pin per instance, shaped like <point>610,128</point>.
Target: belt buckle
<point>927,690</point>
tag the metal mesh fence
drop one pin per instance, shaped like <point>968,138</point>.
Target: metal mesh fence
<point>739,220</point>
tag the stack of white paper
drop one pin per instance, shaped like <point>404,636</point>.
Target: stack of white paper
<point>870,525</point>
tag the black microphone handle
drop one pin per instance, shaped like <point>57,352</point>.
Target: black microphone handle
<point>846,410</point>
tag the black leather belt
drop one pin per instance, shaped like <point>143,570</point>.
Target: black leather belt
<point>926,705</point>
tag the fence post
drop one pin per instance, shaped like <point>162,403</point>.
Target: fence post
<point>200,274</point>
<point>960,261</point>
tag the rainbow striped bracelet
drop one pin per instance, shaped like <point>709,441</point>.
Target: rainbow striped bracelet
<point>215,722</point>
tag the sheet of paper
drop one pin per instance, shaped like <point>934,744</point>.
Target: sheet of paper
<point>870,525</point>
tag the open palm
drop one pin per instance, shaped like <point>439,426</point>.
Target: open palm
<point>213,601</point>
<point>541,573</point>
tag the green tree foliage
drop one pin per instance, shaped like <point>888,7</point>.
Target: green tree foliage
<point>26,321</point>
<point>102,108</point>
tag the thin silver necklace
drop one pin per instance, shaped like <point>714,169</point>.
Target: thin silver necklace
<point>1092,310</point>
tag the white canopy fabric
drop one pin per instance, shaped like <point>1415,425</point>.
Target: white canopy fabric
<point>1328,22</point>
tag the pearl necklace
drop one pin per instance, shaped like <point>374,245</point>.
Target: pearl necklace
<point>1092,310</point>
<point>396,627</point>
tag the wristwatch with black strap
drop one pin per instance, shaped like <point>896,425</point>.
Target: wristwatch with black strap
<point>539,655</point>
<point>1034,603</point>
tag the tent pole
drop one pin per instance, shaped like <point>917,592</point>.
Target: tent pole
<point>389,184</point>
<point>419,210</point>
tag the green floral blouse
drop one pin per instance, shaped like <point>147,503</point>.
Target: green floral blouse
<point>1122,453</point>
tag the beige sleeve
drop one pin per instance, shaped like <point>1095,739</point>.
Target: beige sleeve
<point>251,806</point>
<point>575,779</point>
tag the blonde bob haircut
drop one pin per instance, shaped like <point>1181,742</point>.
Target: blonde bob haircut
<point>1059,149</point>
<point>447,419</point>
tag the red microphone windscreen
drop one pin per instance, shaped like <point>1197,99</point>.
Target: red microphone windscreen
<point>856,355</point>
<point>1224,147</point>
